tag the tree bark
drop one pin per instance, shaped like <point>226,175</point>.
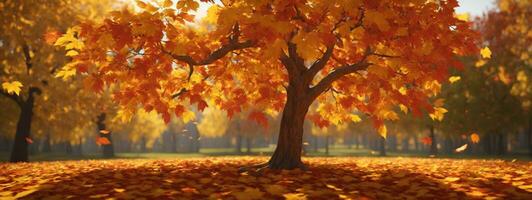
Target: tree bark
<point>68,148</point>
<point>173,146</point>
<point>107,149</point>
<point>238,144</point>
<point>327,145</point>
<point>433,144</point>
<point>529,135</point>
<point>405,144</point>
<point>357,141</point>
<point>47,146</point>
<point>287,154</point>
<point>248,144</point>
<point>20,145</point>
<point>382,146</point>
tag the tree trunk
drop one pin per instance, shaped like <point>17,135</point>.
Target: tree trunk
<point>315,143</point>
<point>173,145</point>
<point>433,144</point>
<point>238,144</point>
<point>248,144</point>
<point>405,144</point>
<point>143,148</point>
<point>501,144</point>
<point>47,146</point>
<point>107,149</point>
<point>357,141</point>
<point>20,145</point>
<point>327,145</point>
<point>68,148</point>
<point>287,154</point>
<point>416,143</point>
<point>382,146</point>
<point>530,135</point>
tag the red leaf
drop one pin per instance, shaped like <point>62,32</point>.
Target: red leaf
<point>202,105</point>
<point>179,109</point>
<point>259,117</point>
<point>29,140</point>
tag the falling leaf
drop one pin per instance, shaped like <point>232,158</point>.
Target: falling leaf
<point>29,140</point>
<point>102,141</point>
<point>461,149</point>
<point>105,132</point>
<point>485,52</point>
<point>453,79</point>
<point>12,87</point>
<point>475,138</point>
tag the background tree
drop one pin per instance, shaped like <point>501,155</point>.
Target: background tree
<point>28,62</point>
<point>507,31</point>
<point>279,55</point>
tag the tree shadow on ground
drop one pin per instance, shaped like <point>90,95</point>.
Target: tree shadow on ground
<point>218,178</point>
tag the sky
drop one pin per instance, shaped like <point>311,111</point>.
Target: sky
<point>475,7</point>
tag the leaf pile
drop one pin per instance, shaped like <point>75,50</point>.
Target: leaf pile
<point>218,178</point>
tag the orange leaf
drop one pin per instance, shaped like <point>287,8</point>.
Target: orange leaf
<point>102,141</point>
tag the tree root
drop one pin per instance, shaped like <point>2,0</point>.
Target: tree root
<point>258,169</point>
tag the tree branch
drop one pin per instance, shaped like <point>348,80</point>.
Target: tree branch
<point>27,57</point>
<point>13,97</point>
<point>319,64</point>
<point>340,72</point>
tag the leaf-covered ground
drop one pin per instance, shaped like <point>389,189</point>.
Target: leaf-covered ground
<point>218,178</point>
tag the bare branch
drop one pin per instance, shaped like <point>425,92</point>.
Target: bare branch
<point>27,57</point>
<point>182,91</point>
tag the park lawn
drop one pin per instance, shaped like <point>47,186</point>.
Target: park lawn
<point>335,151</point>
<point>218,178</point>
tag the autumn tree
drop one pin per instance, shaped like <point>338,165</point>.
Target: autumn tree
<point>507,31</point>
<point>27,62</point>
<point>281,55</point>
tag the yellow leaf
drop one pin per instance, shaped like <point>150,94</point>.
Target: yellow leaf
<point>248,194</point>
<point>119,190</point>
<point>65,73</point>
<point>13,87</point>
<point>275,189</point>
<point>480,63</point>
<point>188,116</point>
<point>72,53</point>
<point>295,196</point>
<point>25,193</point>
<point>485,52</point>
<point>212,14</point>
<point>168,3</point>
<point>438,113</point>
<point>402,90</point>
<point>382,131</point>
<point>403,108</point>
<point>453,79</point>
<point>462,16</point>
<point>355,118</point>
<point>451,179</point>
